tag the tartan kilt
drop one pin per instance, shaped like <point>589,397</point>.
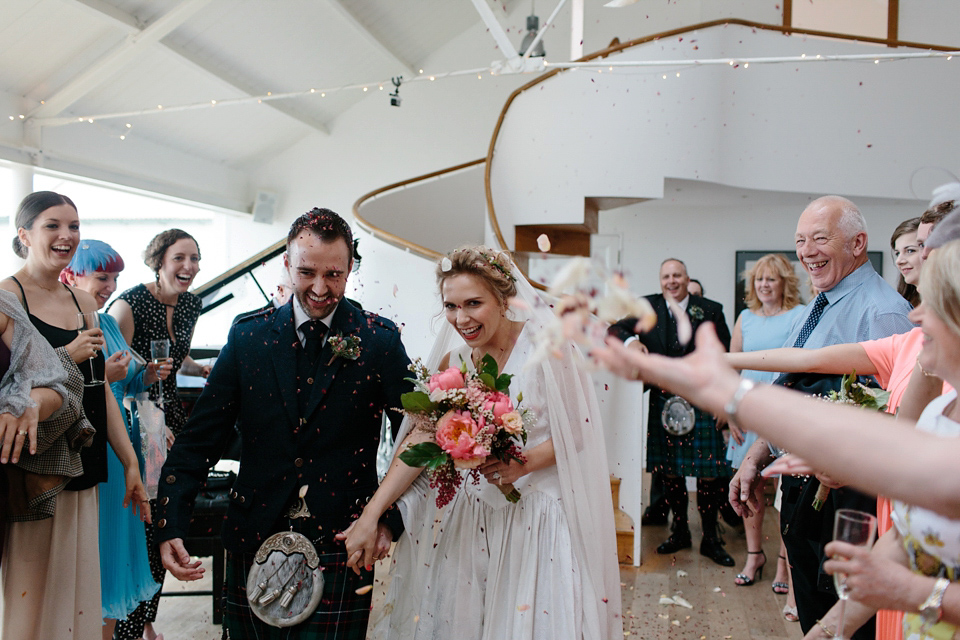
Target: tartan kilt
<point>701,453</point>
<point>341,614</point>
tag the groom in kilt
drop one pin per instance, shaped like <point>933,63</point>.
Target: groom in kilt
<point>699,452</point>
<point>309,383</point>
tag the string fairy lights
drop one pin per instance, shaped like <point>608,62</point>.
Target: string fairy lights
<point>600,64</point>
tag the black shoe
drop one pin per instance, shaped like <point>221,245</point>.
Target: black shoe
<point>651,518</point>
<point>678,540</point>
<point>713,549</point>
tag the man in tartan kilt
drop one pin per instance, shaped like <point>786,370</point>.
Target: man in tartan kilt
<point>701,452</point>
<point>308,384</point>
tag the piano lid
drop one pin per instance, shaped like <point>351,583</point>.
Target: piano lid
<point>245,288</point>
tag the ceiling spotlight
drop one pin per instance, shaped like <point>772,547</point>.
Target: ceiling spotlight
<point>395,95</point>
<point>533,25</point>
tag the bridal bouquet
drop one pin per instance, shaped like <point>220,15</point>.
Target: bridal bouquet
<point>857,394</point>
<point>471,417</point>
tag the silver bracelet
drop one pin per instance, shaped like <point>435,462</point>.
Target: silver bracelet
<point>734,404</point>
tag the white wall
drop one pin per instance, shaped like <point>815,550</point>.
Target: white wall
<point>705,225</point>
<point>442,212</point>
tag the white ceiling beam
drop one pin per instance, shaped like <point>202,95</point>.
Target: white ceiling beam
<point>102,8</point>
<point>576,30</point>
<point>132,25</point>
<point>499,35</point>
<point>116,60</point>
<point>372,40</point>
<point>206,67</point>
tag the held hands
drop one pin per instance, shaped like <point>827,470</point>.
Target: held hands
<point>177,561</point>
<point>14,432</point>
<point>86,345</point>
<point>116,366</point>
<point>156,372</point>
<point>366,541</point>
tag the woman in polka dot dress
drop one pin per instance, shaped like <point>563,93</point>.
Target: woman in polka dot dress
<point>154,311</point>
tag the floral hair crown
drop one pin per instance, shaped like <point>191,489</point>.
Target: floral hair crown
<point>498,261</point>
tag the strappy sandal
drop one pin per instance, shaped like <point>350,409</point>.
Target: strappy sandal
<point>782,588</point>
<point>790,614</point>
<point>742,580</point>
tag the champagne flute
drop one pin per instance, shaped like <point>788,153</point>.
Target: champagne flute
<point>856,528</point>
<point>87,322</point>
<point>159,352</point>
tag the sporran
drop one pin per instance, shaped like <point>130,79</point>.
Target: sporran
<point>286,580</point>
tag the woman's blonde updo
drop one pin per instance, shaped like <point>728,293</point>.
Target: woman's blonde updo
<point>939,287</point>
<point>490,266</point>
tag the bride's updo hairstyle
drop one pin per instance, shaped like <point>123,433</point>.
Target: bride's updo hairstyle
<point>490,266</point>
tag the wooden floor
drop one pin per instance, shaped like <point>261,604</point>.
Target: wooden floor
<point>721,610</point>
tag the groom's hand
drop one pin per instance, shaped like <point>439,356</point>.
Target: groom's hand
<point>365,543</point>
<point>177,561</point>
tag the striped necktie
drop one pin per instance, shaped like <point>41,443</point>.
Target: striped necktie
<point>818,305</point>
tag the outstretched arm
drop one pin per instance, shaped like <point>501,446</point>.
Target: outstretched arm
<point>838,359</point>
<point>830,436</point>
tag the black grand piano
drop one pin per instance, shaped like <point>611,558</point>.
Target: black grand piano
<point>245,288</point>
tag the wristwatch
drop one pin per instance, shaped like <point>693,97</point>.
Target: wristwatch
<point>930,610</point>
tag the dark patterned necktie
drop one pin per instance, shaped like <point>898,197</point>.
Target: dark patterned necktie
<point>818,305</point>
<point>313,332</point>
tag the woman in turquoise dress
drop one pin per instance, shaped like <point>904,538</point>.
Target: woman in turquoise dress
<point>773,306</point>
<point>125,578</point>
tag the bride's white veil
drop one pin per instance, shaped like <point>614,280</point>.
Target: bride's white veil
<point>577,432</point>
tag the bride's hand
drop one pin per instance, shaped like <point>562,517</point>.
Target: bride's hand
<point>499,472</point>
<point>360,540</point>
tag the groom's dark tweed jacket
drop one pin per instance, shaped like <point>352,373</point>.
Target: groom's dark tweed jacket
<point>331,448</point>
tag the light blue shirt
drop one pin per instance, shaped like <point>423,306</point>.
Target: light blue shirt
<point>861,307</point>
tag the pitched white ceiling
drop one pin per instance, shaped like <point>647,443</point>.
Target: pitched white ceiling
<point>73,58</point>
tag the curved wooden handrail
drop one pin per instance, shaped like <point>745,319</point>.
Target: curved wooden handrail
<point>395,240</point>
<point>491,211</point>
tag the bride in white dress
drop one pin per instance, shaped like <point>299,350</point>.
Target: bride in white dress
<point>481,567</point>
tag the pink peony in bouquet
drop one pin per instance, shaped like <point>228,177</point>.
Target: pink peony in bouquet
<point>471,417</point>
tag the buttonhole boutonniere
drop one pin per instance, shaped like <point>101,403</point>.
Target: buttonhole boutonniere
<point>695,312</point>
<point>344,347</point>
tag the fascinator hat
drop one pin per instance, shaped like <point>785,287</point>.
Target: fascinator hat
<point>92,256</point>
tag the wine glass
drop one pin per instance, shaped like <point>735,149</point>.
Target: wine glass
<point>159,352</point>
<point>856,528</point>
<point>87,322</point>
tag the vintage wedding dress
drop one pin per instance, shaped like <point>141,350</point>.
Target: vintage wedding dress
<point>482,568</point>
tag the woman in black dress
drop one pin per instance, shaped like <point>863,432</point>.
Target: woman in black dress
<point>48,233</point>
<point>162,309</point>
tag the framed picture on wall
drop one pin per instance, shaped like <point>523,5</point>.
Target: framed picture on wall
<point>746,260</point>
